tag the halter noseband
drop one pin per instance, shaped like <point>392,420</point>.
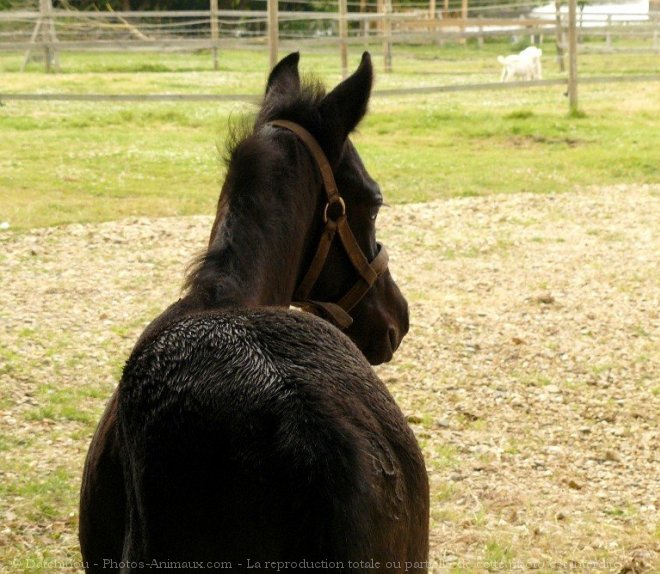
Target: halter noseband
<point>336,223</point>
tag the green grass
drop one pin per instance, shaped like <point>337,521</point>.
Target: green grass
<point>444,456</point>
<point>498,555</point>
<point>46,493</point>
<point>87,162</point>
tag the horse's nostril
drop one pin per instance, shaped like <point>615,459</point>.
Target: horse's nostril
<point>394,338</point>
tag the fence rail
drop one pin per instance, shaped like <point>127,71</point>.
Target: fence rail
<point>392,92</point>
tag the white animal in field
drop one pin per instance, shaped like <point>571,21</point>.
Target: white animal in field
<point>534,54</point>
<point>524,66</point>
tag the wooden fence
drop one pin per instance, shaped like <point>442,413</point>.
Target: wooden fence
<point>379,93</point>
<point>48,31</point>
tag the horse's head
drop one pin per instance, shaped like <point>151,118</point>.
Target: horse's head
<point>344,265</point>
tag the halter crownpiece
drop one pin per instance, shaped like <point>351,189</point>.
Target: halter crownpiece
<point>336,223</point>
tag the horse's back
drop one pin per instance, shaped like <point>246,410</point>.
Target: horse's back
<point>265,436</point>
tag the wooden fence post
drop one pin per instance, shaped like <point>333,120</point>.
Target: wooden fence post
<point>44,28</point>
<point>343,36</point>
<point>572,57</point>
<point>50,53</point>
<point>559,36</point>
<point>214,31</point>
<point>432,28</point>
<point>387,35</point>
<point>273,31</point>
<point>608,35</point>
<point>480,38</point>
<point>364,24</point>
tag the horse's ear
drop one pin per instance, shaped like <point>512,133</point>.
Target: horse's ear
<point>284,77</point>
<point>344,107</point>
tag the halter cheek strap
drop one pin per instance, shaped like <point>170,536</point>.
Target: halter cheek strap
<point>336,223</point>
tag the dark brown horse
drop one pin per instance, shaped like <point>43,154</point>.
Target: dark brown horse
<point>243,433</point>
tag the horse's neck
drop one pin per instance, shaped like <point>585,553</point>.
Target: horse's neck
<point>245,268</point>
<point>256,247</point>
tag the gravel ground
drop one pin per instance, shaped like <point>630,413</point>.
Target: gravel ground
<point>530,374</point>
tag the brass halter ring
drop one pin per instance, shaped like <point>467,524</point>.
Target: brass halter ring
<point>340,201</point>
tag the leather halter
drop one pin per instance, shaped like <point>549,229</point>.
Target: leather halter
<point>336,223</point>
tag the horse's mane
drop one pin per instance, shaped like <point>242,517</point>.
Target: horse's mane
<point>301,107</point>
<point>245,150</point>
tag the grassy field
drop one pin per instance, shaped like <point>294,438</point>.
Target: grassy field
<point>83,162</point>
<point>477,272</point>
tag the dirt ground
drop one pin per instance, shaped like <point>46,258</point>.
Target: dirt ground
<point>531,373</point>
